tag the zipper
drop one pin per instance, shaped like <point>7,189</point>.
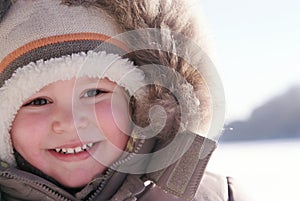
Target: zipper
<point>48,191</point>
<point>110,170</point>
<point>38,185</point>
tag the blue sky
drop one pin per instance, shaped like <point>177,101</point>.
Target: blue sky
<point>258,49</point>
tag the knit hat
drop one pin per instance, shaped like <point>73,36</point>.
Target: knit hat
<point>46,41</point>
<point>39,47</point>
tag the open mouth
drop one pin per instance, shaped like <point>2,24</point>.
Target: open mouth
<point>75,150</point>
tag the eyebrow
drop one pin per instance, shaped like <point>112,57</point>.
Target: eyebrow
<point>89,80</point>
<point>98,81</point>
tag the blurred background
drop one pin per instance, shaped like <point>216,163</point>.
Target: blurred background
<point>258,47</point>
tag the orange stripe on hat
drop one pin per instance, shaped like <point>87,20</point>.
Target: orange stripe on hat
<point>57,39</point>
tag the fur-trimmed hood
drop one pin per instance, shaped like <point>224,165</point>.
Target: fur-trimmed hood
<point>166,41</point>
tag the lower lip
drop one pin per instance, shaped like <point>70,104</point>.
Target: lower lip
<point>75,157</point>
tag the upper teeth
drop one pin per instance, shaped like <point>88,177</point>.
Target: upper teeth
<point>85,147</point>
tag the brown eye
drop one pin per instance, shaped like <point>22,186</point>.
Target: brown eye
<point>38,102</point>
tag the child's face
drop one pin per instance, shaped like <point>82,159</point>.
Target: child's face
<point>60,119</point>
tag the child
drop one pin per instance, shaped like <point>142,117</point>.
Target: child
<point>98,105</point>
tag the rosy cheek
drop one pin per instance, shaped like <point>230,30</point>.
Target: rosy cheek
<point>27,130</point>
<point>113,123</point>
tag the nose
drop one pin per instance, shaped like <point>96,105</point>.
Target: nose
<point>68,121</point>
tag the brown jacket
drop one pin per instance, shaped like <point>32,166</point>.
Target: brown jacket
<point>18,185</point>
<point>185,180</point>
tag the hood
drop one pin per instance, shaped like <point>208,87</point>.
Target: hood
<point>162,46</point>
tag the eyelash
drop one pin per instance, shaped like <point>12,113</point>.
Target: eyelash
<point>38,102</point>
<point>93,93</point>
<point>43,101</point>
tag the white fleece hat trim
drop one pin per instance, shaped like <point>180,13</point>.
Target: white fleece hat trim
<point>29,79</point>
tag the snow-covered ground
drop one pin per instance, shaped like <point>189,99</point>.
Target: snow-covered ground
<point>267,170</point>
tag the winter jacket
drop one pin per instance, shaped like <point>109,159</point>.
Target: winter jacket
<point>175,182</point>
<point>19,185</point>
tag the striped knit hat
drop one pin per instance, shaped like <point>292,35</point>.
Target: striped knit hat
<point>43,42</point>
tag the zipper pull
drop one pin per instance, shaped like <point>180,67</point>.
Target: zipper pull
<point>3,165</point>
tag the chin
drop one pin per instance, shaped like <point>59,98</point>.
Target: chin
<point>77,182</point>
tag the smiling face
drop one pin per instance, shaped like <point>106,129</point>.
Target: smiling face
<point>72,130</point>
